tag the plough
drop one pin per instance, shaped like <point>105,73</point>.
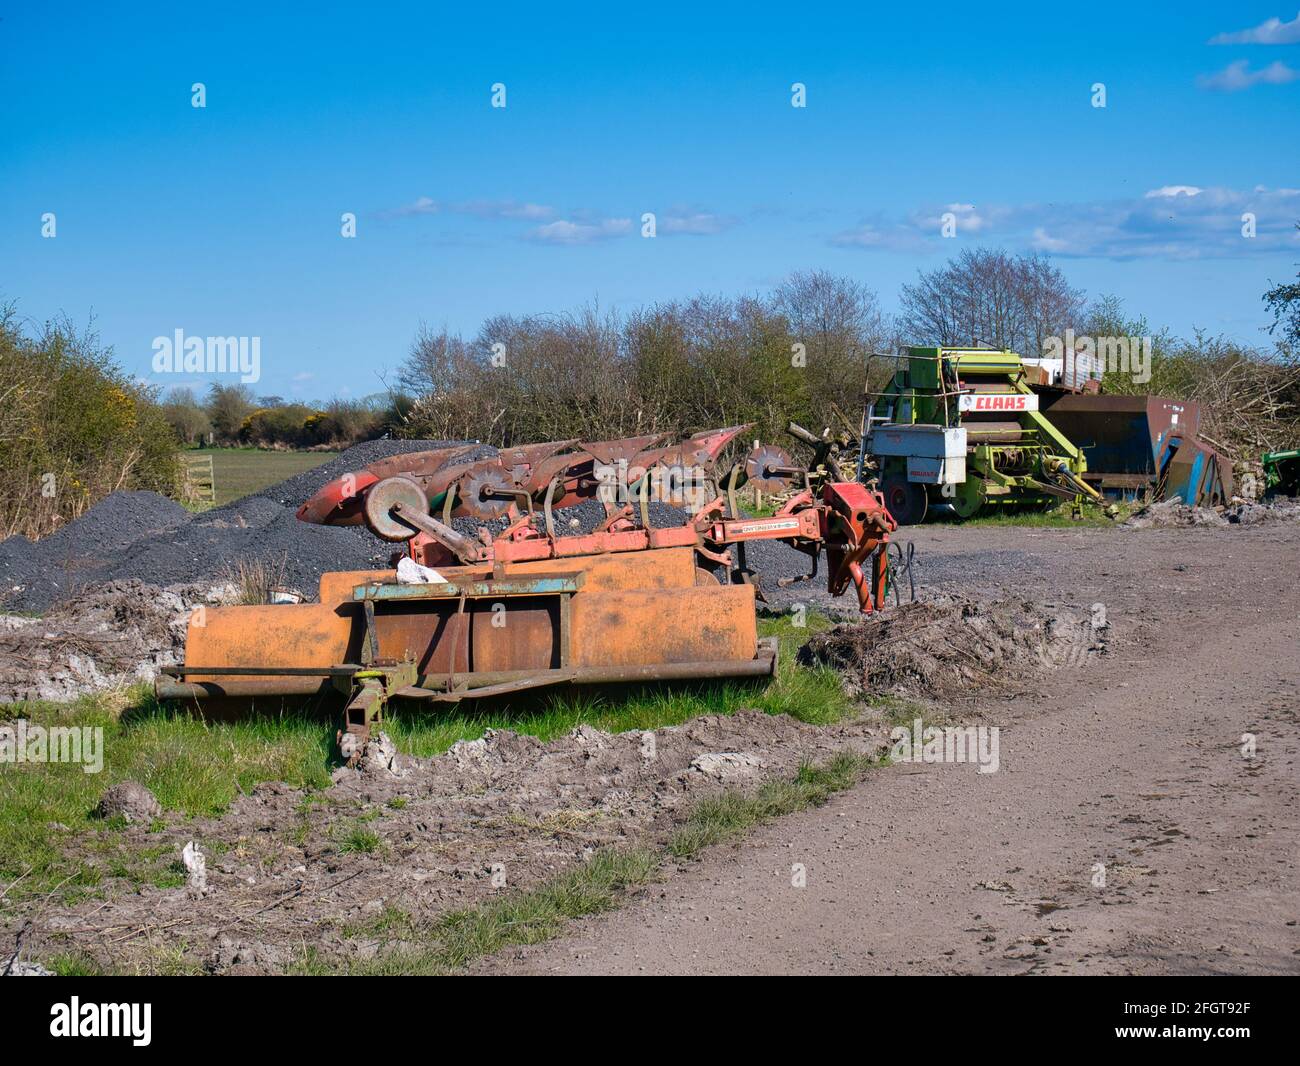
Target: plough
<point>476,616</point>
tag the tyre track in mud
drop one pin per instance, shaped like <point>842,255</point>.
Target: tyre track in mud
<point>1131,769</point>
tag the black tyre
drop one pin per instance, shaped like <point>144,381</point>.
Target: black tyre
<point>905,500</point>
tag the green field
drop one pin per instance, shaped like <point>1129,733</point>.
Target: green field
<point>240,471</point>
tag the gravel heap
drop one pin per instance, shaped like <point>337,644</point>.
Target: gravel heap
<point>148,537</point>
<point>1174,514</point>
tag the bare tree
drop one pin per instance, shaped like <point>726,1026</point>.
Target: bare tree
<point>988,297</point>
<point>435,363</point>
<point>839,321</point>
<point>830,313</point>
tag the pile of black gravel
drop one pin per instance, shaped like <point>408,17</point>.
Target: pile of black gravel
<point>147,536</point>
<point>35,574</point>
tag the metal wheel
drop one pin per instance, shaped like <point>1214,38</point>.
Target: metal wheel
<point>477,494</point>
<point>904,499</point>
<point>383,496</point>
<point>762,465</point>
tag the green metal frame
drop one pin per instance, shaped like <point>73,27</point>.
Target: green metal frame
<point>919,393</point>
<point>1281,471</point>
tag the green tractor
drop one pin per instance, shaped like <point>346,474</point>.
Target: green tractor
<point>1282,473</point>
<point>961,427</point>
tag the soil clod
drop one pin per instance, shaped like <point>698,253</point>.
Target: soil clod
<point>131,801</point>
<point>947,649</point>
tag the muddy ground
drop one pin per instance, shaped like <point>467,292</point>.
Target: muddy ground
<point>1125,754</point>
<point>110,636</point>
<point>284,871</point>
<point>1125,831</point>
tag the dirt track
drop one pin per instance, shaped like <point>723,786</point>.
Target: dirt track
<point>1134,765</point>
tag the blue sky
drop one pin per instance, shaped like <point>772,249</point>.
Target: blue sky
<point>225,220</point>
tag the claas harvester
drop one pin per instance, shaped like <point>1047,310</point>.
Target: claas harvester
<point>962,427</point>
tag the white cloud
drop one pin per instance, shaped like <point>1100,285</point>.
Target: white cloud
<point>426,205</point>
<point>877,235</point>
<point>1237,76</point>
<point>693,223</point>
<point>968,218</point>
<point>564,231</point>
<point>1043,242</point>
<point>422,206</point>
<point>922,228</point>
<point>578,226</point>
<point>1271,31</point>
<point>1169,222</point>
<point>505,209</point>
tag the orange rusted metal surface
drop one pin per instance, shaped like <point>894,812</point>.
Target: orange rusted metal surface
<point>670,568</point>
<point>697,624</point>
<point>337,586</point>
<point>284,635</point>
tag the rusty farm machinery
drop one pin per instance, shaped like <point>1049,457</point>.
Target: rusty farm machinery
<point>971,430</point>
<point>465,616</point>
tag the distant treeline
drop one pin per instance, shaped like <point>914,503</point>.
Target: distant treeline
<point>805,350</point>
<point>232,415</point>
<point>76,427</point>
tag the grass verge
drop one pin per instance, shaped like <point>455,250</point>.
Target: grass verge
<point>1057,518</point>
<point>50,840</point>
<point>448,944</point>
<point>734,813</point>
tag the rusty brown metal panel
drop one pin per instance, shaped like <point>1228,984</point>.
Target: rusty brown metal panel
<point>526,635</point>
<point>419,464</point>
<point>439,639</point>
<point>432,635</point>
<point>336,587</point>
<point>298,634</point>
<point>696,624</point>
<point>664,569</point>
<point>611,451</point>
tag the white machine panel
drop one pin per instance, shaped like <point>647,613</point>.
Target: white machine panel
<point>936,471</point>
<point>921,441</point>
